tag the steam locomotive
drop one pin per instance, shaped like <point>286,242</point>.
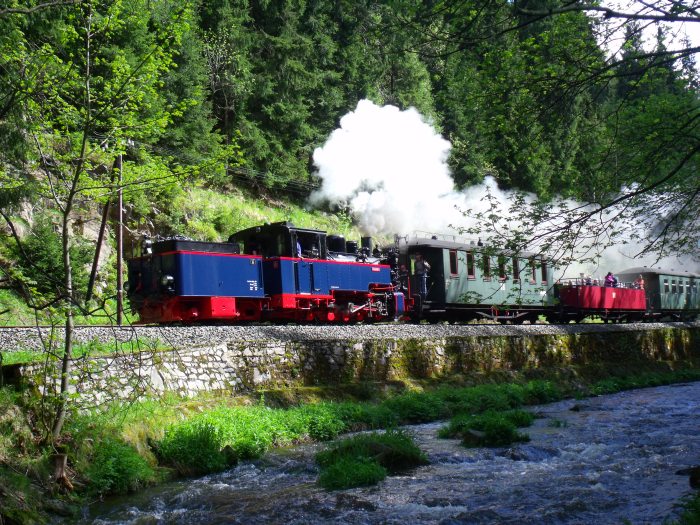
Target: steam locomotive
<point>280,273</point>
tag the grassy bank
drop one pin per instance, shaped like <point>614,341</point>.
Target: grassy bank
<point>128,447</point>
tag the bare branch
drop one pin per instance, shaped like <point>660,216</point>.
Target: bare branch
<point>607,13</point>
<point>38,7</point>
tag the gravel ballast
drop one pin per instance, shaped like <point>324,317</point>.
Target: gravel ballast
<point>14,339</point>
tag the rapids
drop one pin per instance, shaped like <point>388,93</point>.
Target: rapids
<point>603,460</point>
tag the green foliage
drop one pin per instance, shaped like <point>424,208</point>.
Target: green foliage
<point>690,514</point>
<point>541,392</point>
<point>205,214</point>
<point>489,429</point>
<point>226,435</point>
<point>482,398</point>
<point>350,472</point>
<point>116,468</point>
<point>416,407</point>
<point>41,255</point>
<point>367,458</point>
<point>193,447</point>
<point>616,384</point>
<point>91,348</point>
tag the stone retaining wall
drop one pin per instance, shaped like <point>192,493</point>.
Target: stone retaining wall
<point>236,367</point>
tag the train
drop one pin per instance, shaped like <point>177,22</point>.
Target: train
<point>280,273</point>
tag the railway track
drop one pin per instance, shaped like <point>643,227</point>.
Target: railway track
<point>30,338</point>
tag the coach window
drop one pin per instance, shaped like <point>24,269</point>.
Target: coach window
<point>453,262</point>
<point>516,269</point>
<point>674,288</point>
<point>544,272</point>
<point>502,268</point>
<point>487,268</point>
<point>470,265</point>
<point>533,271</point>
<point>666,288</point>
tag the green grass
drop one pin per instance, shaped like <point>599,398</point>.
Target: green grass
<point>128,446</point>
<point>223,436</point>
<point>366,459</point>
<point>220,437</point>
<point>691,512</point>
<point>92,348</point>
<point>14,311</point>
<point>489,429</point>
<point>351,472</point>
<point>205,214</point>
<point>617,384</point>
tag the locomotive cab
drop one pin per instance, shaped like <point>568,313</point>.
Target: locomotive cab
<point>305,281</point>
<point>282,239</point>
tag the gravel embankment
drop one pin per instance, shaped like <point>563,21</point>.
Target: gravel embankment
<point>12,339</point>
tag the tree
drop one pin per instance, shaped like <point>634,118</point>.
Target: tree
<point>640,150</point>
<point>80,90</point>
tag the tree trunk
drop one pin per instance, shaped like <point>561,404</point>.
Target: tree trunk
<point>69,327</point>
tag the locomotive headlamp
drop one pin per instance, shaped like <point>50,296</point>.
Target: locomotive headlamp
<point>167,280</point>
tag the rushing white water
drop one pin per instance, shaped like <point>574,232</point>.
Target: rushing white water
<point>614,460</point>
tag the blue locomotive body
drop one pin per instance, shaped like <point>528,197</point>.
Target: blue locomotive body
<point>260,275</point>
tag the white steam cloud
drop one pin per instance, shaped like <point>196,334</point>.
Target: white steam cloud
<point>389,169</point>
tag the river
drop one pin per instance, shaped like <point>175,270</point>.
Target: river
<point>603,460</point>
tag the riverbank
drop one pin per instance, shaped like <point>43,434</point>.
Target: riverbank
<point>606,459</point>
<point>128,447</point>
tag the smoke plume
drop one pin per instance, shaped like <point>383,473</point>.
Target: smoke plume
<point>389,169</point>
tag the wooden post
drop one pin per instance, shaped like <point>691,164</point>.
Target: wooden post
<point>120,246</point>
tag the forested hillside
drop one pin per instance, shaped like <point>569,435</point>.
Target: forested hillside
<point>235,95</point>
<point>572,126</point>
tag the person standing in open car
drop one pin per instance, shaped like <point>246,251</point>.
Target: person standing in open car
<point>422,268</point>
<point>610,280</point>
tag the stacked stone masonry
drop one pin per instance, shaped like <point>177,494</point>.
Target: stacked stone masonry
<point>236,366</point>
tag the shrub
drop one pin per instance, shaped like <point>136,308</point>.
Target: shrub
<point>486,397</point>
<point>41,255</point>
<point>393,450</point>
<point>541,392</point>
<point>117,468</point>
<point>351,472</point>
<point>194,447</point>
<point>417,408</point>
<point>365,415</point>
<point>488,429</point>
<point>323,425</point>
<point>499,431</point>
<point>691,511</point>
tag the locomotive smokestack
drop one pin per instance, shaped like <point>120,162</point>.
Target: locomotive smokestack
<point>366,243</point>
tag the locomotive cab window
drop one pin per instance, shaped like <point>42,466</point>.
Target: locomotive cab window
<point>312,245</point>
<point>453,262</point>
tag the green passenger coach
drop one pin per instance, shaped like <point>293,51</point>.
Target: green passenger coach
<point>471,281</point>
<point>675,293</point>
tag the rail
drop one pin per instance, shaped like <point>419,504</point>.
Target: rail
<point>588,281</point>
